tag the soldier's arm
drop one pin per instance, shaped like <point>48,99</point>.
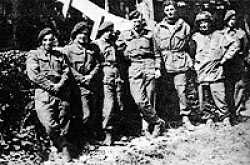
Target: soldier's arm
<point>79,78</point>
<point>65,72</point>
<point>158,58</point>
<point>33,72</point>
<point>97,63</point>
<point>231,50</point>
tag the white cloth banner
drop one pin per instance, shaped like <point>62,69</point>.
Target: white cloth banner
<point>95,12</point>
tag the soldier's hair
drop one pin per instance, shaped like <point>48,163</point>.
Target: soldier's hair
<point>170,2</point>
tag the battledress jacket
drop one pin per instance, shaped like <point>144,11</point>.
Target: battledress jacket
<point>210,51</point>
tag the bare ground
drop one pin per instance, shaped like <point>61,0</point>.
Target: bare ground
<point>204,146</point>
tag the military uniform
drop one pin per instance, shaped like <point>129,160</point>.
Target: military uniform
<point>139,52</point>
<point>235,69</point>
<point>171,42</point>
<point>83,63</point>
<point>53,108</point>
<point>112,81</point>
<point>211,50</point>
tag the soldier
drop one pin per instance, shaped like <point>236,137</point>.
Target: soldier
<point>112,81</point>
<point>84,65</point>
<point>49,71</point>
<point>235,68</point>
<point>144,68</point>
<point>172,35</point>
<point>212,50</point>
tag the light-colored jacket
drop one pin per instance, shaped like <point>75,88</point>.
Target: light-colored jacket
<point>210,51</point>
<point>172,45</point>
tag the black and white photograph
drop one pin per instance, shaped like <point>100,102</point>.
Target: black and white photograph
<point>124,82</point>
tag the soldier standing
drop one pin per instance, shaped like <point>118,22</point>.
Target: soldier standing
<point>172,35</point>
<point>212,50</point>
<point>85,67</point>
<point>112,81</point>
<point>143,70</point>
<point>49,71</point>
<point>235,68</point>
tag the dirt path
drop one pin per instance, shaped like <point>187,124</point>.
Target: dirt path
<point>204,146</point>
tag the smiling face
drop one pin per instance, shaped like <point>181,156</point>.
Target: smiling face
<point>170,11</point>
<point>232,22</point>
<point>48,42</point>
<point>108,34</point>
<point>204,26</point>
<point>82,37</point>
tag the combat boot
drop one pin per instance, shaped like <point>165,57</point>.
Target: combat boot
<point>159,126</point>
<point>108,138</point>
<point>187,123</point>
<point>226,122</point>
<point>66,154</point>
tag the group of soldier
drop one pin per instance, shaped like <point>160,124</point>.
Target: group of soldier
<point>71,81</point>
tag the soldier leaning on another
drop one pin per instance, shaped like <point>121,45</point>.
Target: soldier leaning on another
<point>172,36</point>
<point>212,50</point>
<point>49,71</point>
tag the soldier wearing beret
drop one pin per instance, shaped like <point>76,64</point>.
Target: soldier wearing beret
<point>212,50</point>
<point>49,71</point>
<point>235,67</point>
<point>85,66</point>
<point>138,45</point>
<point>112,80</point>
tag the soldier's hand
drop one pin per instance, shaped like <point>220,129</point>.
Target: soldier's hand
<point>157,73</point>
<point>56,88</point>
<point>87,79</point>
<point>222,61</point>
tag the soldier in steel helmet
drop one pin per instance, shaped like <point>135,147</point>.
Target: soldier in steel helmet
<point>49,71</point>
<point>212,50</point>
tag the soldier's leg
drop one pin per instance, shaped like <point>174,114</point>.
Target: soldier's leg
<point>180,86</point>
<point>48,115</point>
<point>138,91</point>
<point>218,94</point>
<point>85,101</point>
<point>108,105</point>
<point>239,97</point>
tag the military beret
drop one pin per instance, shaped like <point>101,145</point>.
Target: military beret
<point>80,26</point>
<point>134,15</point>
<point>43,33</point>
<point>170,2</point>
<point>229,14</point>
<point>204,15</point>
<point>105,25</point>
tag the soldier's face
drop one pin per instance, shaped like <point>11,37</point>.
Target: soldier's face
<point>82,37</point>
<point>170,11</point>
<point>137,24</point>
<point>232,21</point>
<point>108,34</point>
<point>204,26</point>
<point>48,42</point>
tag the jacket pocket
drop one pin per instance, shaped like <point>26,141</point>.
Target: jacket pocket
<point>42,95</point>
